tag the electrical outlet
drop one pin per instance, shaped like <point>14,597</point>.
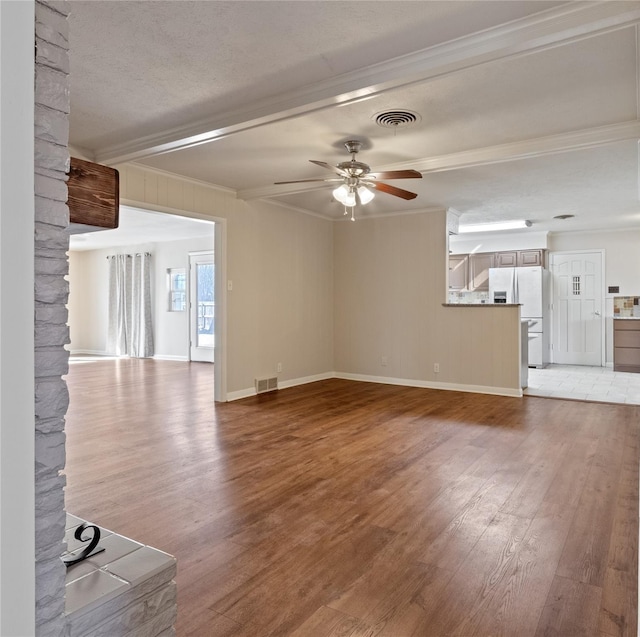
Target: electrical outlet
<point>279,367</point>
<point>383,361</point>
<point>436,368</point>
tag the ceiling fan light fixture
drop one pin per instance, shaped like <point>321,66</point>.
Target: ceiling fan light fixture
<point>365,194</point>
<point>350,199</point>
<point>359,184</point>
<point>341,193</point>
<point>346,195</point>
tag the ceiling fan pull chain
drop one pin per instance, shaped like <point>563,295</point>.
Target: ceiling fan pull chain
<point>352,213</point>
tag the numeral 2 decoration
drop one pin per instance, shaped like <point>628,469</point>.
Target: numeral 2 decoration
<point>91,549</point>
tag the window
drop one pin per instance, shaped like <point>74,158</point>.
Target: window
<point>177,288</point>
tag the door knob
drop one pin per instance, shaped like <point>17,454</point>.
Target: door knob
<point>597,313</point>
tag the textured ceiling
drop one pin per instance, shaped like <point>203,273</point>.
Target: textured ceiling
<point>526,108</point>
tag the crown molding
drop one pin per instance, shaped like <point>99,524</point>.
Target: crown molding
<point>304,211</point>
<point>175,176</point>
<point>561,25</point>
<point>278,190</point>
<point>394,213</point>
<point>525,149</point>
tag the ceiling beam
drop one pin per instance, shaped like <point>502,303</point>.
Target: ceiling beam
<point>525,149</point>
<point>567,23</point>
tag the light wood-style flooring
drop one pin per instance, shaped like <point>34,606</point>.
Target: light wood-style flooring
<point>354,509</point>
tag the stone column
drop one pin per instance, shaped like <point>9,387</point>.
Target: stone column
<point>51,291</point>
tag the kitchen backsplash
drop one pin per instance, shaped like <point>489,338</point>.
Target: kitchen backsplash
<point>626,306</point>
<point>468,298</point>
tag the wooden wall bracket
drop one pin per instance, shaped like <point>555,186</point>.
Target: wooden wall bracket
<point>94,194</point>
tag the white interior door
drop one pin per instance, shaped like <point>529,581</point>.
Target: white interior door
<point>202,306</point>
<point>577,308</point>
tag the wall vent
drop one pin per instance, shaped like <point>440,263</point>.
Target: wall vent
<point>266,384</point>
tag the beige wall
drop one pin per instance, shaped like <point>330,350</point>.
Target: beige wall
<point>280,308</point>
<point>320,297</point>
<point>389,290</point>
<point>281,305</point>
<point>87,304</point>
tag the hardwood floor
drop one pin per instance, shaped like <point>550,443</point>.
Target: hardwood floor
<point>354,509</point>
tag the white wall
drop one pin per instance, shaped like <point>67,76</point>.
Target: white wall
<point>621,265</point>
<point>89,296</point>
<point>17,413</point>
<point>171,329</point>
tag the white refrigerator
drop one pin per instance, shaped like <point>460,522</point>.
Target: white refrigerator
<point>530,288</point>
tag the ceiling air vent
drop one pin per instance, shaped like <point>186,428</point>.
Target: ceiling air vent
<point>396,118</point>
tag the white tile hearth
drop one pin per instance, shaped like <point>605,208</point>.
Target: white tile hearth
<point>128,589</point>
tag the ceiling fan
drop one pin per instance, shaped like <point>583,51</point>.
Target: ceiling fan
<point>358,180</point>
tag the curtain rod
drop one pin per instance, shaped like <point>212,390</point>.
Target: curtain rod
<point>136,254</point>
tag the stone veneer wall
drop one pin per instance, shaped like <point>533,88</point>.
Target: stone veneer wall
<point>51,291</point>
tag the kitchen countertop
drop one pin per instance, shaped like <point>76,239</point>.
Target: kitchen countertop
<point>626,318</point>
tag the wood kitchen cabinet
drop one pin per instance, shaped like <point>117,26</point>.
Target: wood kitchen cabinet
<point>530,258</point>
<point>506,259</point>
<point>470,272</point>
<point>626,345</point>
<point>479,265</point>
<point>458,271</point>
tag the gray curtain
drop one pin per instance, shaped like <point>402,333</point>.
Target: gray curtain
<point>129,327</point>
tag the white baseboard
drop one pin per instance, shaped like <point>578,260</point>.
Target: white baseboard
<point>89,352</point>
<point>169,357</point>
<point>285,384</point>
<point>241,393</point>
<point>305,379</point>
<point>426,384</point>
<point>405,382</point>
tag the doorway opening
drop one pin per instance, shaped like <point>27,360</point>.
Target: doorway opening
<point>581,356</point>
<point>171,238</point>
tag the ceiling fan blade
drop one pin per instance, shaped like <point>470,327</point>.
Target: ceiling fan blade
<point>392,190</point>
<point>396,174</point>
<point>303,181</point>
<point>323,164</point>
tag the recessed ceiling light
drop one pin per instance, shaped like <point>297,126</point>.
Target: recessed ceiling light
<point>564,216</point>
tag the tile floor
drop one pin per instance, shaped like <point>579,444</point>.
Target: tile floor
<point>599,384</point>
